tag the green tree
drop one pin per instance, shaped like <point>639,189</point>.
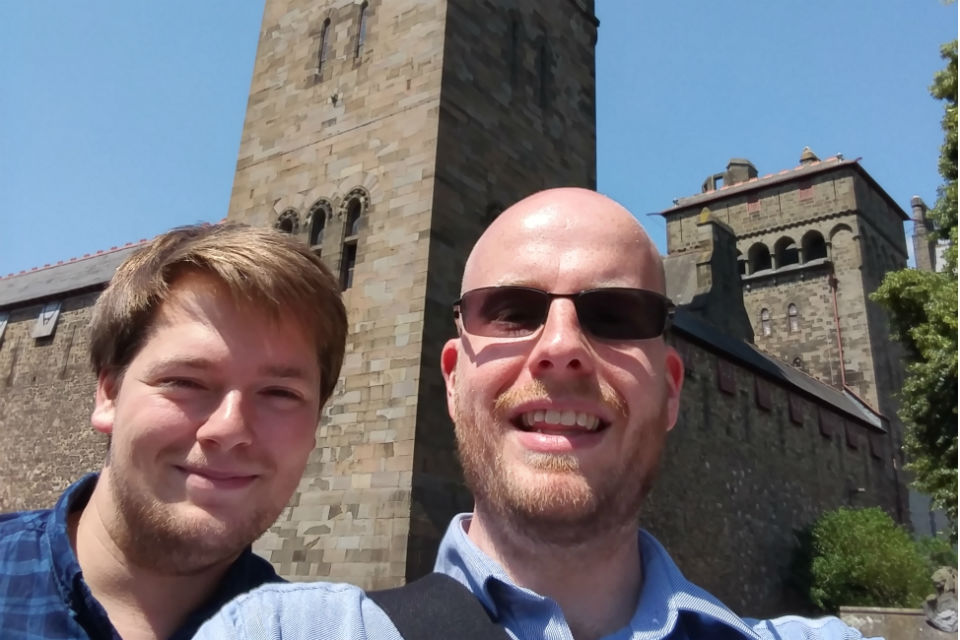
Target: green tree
<point>860,557</point>
<point>923,317</point>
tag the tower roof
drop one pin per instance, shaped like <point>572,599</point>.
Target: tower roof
<point>804,170</point>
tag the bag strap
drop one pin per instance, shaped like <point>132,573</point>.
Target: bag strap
<point>437,606</point>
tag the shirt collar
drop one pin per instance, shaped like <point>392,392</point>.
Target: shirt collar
<point>666,594</point>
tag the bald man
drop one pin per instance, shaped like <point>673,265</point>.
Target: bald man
<point>562,391</point>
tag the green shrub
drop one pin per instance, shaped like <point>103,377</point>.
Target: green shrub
<point>862,557</point>
<point>938,552</point>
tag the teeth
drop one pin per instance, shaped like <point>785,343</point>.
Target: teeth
<point>566,418</point>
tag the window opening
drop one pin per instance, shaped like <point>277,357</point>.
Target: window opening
<point>765,322</point>
<point>288,222</point>
<point>759,256</point>
<point>347,263</point>
<point>361,31</point>
<point>813,246</point>
<point>787,252</point>
<point>793,318</point>
<point>324,45</point>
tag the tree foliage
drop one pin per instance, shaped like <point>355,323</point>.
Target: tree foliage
<point>861,557</point>
<point>923,317</point>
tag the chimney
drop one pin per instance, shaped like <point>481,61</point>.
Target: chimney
<point>808,157</point>
<point>924,238</point>
<point>739,170</point>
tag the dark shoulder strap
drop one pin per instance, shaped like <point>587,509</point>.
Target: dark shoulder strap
<point>437,606</point>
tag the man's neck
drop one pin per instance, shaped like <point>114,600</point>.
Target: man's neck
<point>142,603</point>
<point>597,584</point>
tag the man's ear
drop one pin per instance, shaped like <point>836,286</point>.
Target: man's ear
<point>104,408</point>
<point>448,364</point>
<point>673,372</point>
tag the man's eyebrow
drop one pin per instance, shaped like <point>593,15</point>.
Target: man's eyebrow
<point>284,371</point>
<point>175,362</point>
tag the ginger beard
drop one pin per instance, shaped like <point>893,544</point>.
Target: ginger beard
<point>562,504</point>
<point>154,536</point>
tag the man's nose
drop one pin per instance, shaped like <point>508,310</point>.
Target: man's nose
<point>562,347</point>
<point>227,425</point>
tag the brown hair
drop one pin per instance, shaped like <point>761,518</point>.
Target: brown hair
<point>260,267</point>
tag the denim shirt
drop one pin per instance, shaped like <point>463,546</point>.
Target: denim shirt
<point>669,608</point>
<point>42,590</point>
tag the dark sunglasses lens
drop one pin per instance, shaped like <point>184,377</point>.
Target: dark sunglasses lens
<point>622,314</point>
<point>503,312</point>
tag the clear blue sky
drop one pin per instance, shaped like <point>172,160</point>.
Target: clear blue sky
<point>121,119</point>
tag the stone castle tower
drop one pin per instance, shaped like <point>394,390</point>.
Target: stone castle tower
<point>812,243</point>
<point>387,135</point>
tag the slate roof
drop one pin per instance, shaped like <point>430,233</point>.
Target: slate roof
<point>56,280</point>
<point>800,171</point>
<point>749,356</point>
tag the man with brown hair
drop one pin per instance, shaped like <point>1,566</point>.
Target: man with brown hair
<point>215,348</point>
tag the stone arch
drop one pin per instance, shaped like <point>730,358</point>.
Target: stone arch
<point>352,209</point>
<point>843,245</point>
<point>786,252</point>
<point>288,222</point>
<point>321,212</point>
<point>813,246</point>
<point>759,258</point>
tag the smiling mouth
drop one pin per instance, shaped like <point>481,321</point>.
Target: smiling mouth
<point>559,421</point>
<point>219,476</point>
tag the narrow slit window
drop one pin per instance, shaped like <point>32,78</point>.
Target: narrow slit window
<point>361,30</point>
<point>324,46</point>
<point>793,317</point>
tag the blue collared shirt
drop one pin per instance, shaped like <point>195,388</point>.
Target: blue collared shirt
<point>42,591</point>
<point>670,607</point>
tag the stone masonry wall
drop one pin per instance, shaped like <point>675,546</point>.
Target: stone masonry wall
<point>508,127</point>
<point>366,122</point>
<point>741,475</point>
<point>46,396</point>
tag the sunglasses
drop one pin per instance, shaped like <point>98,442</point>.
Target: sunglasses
<point>608,314</point>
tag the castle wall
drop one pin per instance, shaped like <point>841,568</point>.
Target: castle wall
<point>749,463</point>
<point>46,396</point>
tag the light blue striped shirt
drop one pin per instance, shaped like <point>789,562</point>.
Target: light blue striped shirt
<point>670,607</point>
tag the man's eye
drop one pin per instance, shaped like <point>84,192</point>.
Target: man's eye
<point>514,316</point>
<point>181,383</point>
<point>282,393</point>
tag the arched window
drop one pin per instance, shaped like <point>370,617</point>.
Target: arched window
<point>798,362</point>
<point>786,252</point>
<point>324,51</point>
<point>741,263</point>
<point>813,246</point>
<point>319,213</point>
<point>793,318</point>
<point>352,211</point>
<point>288,222</point>
<point>765,322</point>
<point>759,257</point>
<point>361,30</point>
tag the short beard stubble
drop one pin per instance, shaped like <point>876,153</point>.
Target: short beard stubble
<point>563,507</point>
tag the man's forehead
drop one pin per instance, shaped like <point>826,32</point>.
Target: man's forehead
<point>572,229</point>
